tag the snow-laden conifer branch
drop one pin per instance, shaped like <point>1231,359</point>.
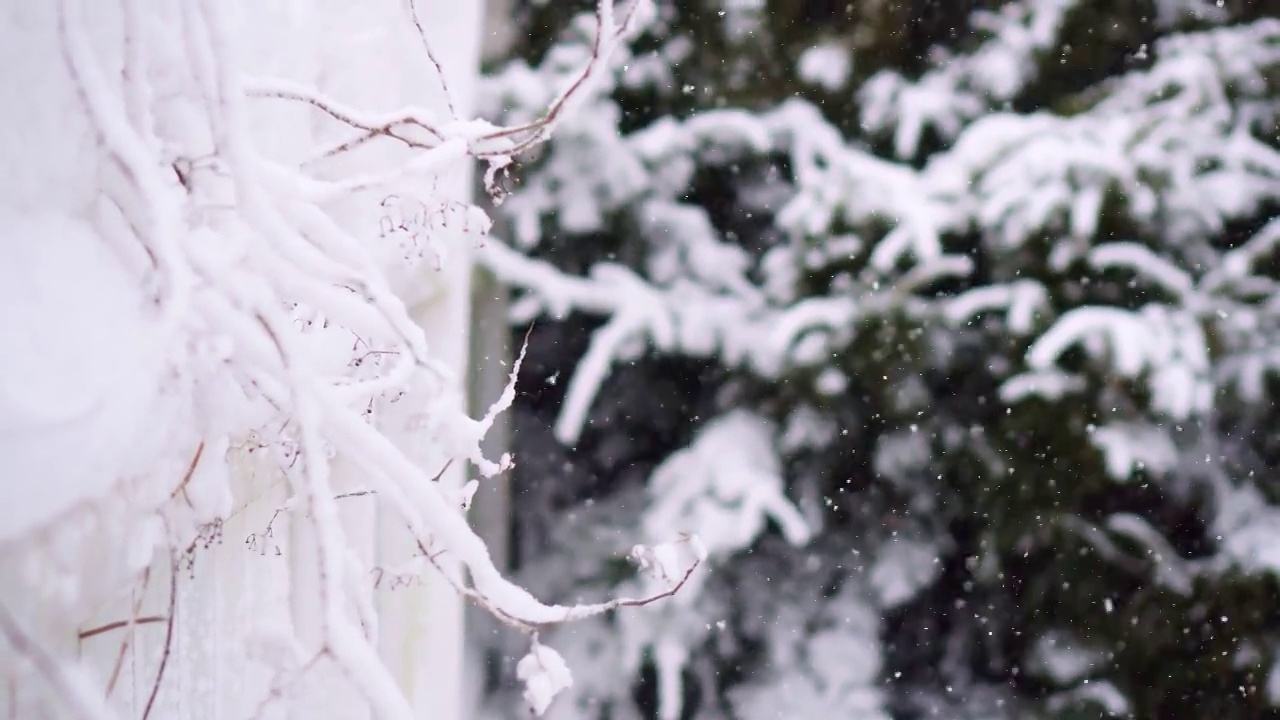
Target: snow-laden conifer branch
<point>1147,137</point>
<point>960,88</point>
<point>1178,151</point>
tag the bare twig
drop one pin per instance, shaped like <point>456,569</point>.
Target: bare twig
<point>606,35</point>
<point>279,685</point>
<point>426,45</point>
<point>168,637</point>
<point>371,128</point>
<point>86,634</point>
<point>128,637</point>
<point>443,470</point>
<point>572,613</point>
<point>534,132</point>
<point>358,493</point>
<point>186,478</point>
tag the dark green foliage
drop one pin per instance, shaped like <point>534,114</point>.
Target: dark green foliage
<point>1039,540</point>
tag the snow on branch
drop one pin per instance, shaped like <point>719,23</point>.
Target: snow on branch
<point>960,88</point>
<point>691,318</point>
<point>261,280</point>
<point>1177,150</point>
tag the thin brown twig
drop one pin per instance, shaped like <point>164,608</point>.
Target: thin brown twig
<point>128,638</point>
<point>275,339</point>
<point>552,112</point>
<point>278,686</point>
<point>471,594</point>
<point>339,114</point>
<point>270,523</point>
<point>372,133</point>
<point>641,602</point>
<point>357,493</point>
<point>86,634</point>
<point>191,470</point>
<point>426,45</point>
<point>405,118</point>
<point>443,470</point>
<point>532,628</point>
<point>168,637</point>
<point>353,143</point>
<point>538,127</point>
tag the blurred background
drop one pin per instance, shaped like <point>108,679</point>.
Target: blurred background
<point>952,327</point>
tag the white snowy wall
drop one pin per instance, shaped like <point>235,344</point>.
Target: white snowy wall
<point>85,435</point>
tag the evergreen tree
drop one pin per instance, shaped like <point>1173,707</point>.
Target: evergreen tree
<point>951,327</point>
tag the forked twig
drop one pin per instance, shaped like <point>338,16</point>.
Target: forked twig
<point>539,128</point>
<point>534,131</point>
<point>278,686</point>
<point>351,117</point>
<point>191,470</point>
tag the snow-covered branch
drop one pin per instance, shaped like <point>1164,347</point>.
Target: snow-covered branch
<point>273,308</point>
